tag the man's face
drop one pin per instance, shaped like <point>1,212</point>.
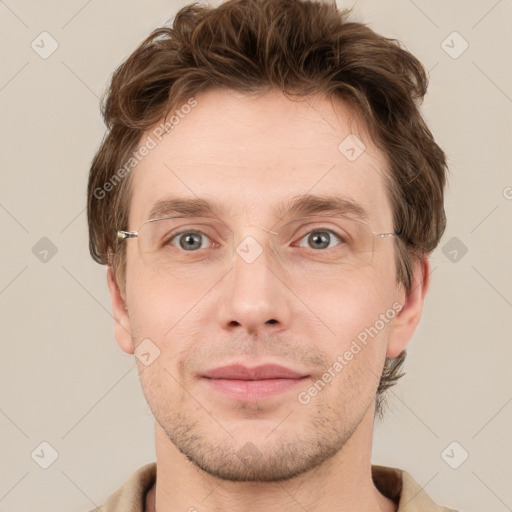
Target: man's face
<point>251,155</point>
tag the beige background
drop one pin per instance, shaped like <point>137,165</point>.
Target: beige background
<point>63,378</point>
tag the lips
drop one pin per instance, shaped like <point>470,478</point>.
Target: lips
<point>241,383</point>
<point>262,372</point>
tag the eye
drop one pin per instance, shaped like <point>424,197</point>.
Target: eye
<point>320,238</point>
<point>190,240</point>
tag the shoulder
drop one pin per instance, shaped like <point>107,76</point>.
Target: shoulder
<point>398,485</point>
<point>131,496</point>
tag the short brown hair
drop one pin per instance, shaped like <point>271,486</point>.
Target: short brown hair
<point>299,47</point>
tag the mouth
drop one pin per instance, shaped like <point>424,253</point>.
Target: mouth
<point>240,382</point>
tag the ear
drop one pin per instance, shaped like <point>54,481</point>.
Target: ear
<point>122,329</point>
<point>405,322</point>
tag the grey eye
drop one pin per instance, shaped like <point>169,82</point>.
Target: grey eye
<point>190,240</point>
<point>320,239</point>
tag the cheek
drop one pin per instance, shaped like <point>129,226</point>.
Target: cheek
<point>167,315</point>
<point>158,306</point>
<point>349,321</point>
<point>351,301</point>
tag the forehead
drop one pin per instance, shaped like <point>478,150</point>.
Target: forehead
<point>253,158</point>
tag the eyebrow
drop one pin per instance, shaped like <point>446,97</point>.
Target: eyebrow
<point>307,204</point>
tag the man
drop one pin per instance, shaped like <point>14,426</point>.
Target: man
<point>266,199</point>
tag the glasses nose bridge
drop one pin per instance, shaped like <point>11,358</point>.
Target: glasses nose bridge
<point>268,231</point>
<point>249,245</point>
<point>262,235</point>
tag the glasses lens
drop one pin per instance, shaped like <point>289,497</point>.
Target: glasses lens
<point>325,241</point>
<point>182,241</point>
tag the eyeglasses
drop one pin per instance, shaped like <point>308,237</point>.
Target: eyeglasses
<point>197,248</point>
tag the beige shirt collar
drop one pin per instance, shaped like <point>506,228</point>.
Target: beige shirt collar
<point>394,483</point>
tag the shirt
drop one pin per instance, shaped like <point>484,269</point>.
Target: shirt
<point>394,483</point>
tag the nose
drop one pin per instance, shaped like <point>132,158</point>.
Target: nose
<point>253,297</point>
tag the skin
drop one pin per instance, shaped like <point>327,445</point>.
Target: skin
<point>252,153</point>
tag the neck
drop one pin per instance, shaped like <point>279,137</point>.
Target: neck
<point>342,483</point>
